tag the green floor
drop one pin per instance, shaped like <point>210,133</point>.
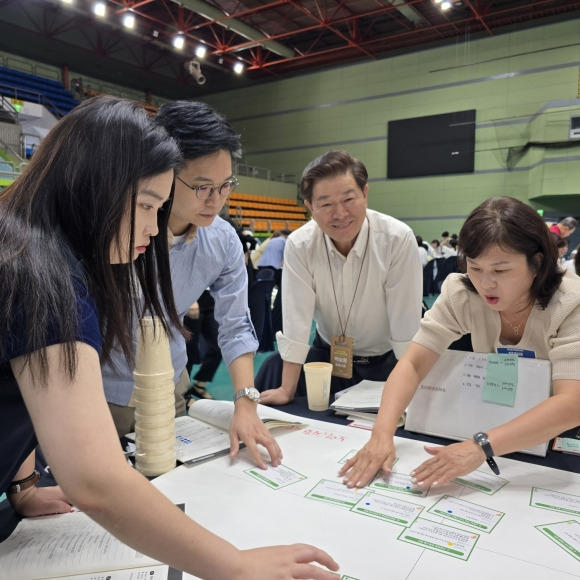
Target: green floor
<point>221,387</point>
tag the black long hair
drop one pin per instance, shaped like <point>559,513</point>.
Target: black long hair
<point>60,219</point>
<point>198,129</point>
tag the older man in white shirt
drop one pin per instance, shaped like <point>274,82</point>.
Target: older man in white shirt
<point>356,273</point>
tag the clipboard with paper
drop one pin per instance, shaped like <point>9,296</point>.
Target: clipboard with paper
<point>466,392</point>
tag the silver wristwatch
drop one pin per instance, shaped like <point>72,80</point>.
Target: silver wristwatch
<point>251,392</point>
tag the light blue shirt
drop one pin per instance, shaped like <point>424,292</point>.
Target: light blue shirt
<point>273,255</point>
<point>214,260</point>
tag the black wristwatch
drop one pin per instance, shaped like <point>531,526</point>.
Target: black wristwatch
<point>483,441</point>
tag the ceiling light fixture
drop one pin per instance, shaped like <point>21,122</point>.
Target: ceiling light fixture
<point>200,51</point>
<point>129,20</point>
<point>178,41</point>
<point>238,67</point>
<point>100,8</point>
<point>446,5</point>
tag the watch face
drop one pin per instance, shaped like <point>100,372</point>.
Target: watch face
<point>480,438</point>
<point>254,394</point>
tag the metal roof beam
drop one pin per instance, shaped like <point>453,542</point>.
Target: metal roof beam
<point>237,26</point>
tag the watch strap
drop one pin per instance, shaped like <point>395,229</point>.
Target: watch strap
<point>246,392</point>
<point>482,440</point>
<point>493,465</point>
<point>22,484</point>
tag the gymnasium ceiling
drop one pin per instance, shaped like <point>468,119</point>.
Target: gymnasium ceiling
<point>274,39</point>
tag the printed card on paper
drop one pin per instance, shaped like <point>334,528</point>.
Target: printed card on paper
<point>349,455</point>
<point>440,538</point>
<point>565,534</point>
<point>275,477</point>
<point>555,501</point>
<point>482,481</point>
<point>469,514</point>
<point>567,445</point>
<point>336,493</point>
<point>389,509</point>
<point>398,482</point>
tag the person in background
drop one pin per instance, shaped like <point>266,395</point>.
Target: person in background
<point>513,295</point>
<point>255,243</point>
<point>355,272</point>
<point>573,264</point>
<point>86,208</point>
<point>564,228</point>
<point>449,249</point>
<point>256,254</point>
<point>437,251</point>
<point>200,321</point>
<point>205,252</point>
<point>273,255</point>
<point>423,254</point>
<point>562,245</point>
<point>248,247</point>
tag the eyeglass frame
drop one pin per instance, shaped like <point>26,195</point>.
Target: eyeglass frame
<point>233,181</point>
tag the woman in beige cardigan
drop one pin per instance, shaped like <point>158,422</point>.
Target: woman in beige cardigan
<point>513,294</point>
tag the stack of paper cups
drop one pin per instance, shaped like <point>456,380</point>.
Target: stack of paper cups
<point>154,401</point>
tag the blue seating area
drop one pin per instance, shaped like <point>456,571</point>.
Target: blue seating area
<point>28,87</point>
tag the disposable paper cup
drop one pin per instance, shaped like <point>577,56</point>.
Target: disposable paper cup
<point>151,468</point>
<point>155,420</point>
<point>151,408</point>
<point>153,355</point>
<point>152,455</point>
<point>155,470</point>
<point>152,431</point>
<point>161,379</point>
<point>317,375</point>
<point>157,398</point>
<point>154,450</point>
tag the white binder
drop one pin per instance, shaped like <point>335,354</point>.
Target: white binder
<point>444,406</point>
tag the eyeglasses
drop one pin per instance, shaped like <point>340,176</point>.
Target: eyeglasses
<point>204,192</point>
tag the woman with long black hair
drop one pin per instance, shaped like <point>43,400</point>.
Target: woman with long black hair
<point>79,253</point>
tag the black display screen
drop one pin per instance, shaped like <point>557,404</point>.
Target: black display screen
<point>435,145</point>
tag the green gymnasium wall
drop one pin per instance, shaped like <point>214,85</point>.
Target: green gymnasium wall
<point>524,86</point>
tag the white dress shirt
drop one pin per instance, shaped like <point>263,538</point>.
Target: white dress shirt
<point>386,311</point>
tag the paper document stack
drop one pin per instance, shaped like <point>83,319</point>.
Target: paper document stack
<point>204,434</point>
<point>361,403</point>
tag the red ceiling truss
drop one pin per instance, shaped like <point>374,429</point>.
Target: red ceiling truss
<point>274,39</point>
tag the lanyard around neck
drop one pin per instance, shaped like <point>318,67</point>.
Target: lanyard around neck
<point>343,328</point>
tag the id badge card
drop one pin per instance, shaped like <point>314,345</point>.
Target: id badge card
<point>341,356</point>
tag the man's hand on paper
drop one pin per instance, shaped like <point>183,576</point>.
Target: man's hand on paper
<point>378,453</point>
<point>246,426</point>
<point>39,501</point>
<point>279,396</point>
<point>287,562</point>
<point>447,463</point>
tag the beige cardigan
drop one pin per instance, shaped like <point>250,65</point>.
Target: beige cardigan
<point>553,334</point>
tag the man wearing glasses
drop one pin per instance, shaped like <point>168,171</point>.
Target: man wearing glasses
<point>205,253</point>
<point>356,273</point>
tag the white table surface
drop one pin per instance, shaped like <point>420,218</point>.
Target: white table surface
<point>234,505</point>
